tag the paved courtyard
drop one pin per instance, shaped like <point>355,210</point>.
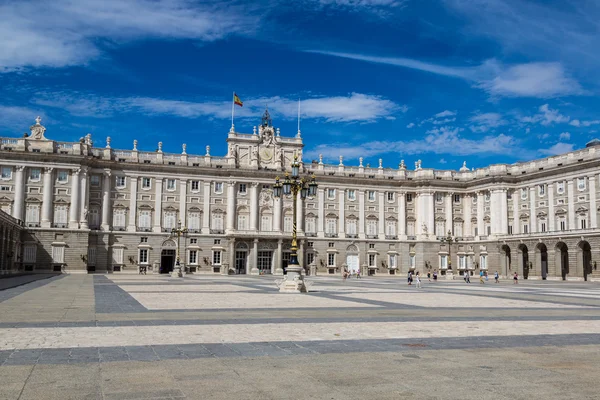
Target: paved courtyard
<point>213,337</point>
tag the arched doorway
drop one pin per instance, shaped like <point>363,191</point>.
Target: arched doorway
<point>506,260</point>
<point>167,256</point>
<point>241,258</point>
<point>562,259</point>
<point>524,260</point>
<point>586,258</point>
<point>352,259</point>
<point>543,259</point>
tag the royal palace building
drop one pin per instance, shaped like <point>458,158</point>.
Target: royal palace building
<point>79,207</point>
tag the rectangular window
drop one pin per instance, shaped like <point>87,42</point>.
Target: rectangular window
<point>217,241</point>
<point>371,227</point>
<point>62,176</point>
<point>218,187</point>
<point>242,224</point>
<point>331,226</point>
<point>95,180</point>
<point>560,187</point>
<point>370,194</point>
<point>457,198</point>
<point>439,198</point>
<point>371,245</point>
<point>216,257</point>
<point>486,196</point>
<point>194,221</point>
<point>525,228</point>
<point>563,224</point>
<point>444,262</point>
<point>510,230</point>
<point>412,261</point>
<point>33,214</point>
<point>580,183</point>
<point>30,253</point>
<point>58,254</point>
<point>119,218</point>
<point>170,219</point>
<point>439,228</point>
<point>351,194</point>
<point>543,227</point>
<point>390,196</point>
<point>483,262</point>
<point>217,221</point>
<point>392,261</point>
<point>410,228</point>
<point>193,258</point>
<point>331,259</point>
<point>462,262</point>
<point>193,241</point>
<point>143,240</point>
<point>523,193</point>
<point>145,219</point>
<point>242,188</point>
<point>458,229</point>
<point>409,197</point>
<point>287,223</point>
<point>310,258</point>
<point>195,185</point>
<point>372,260</point>
<point>34,174</point>
<point>120,181</point>
<point>143,256</point>
<point>311,225</point>
<point>94,218</point>
<point>541,190</point>
<point>60,215</point>
<point>91,259</point>
<point>146,183</point>
<point>391,228</point>
<point>351,227</point>
<point>583,223</point>
<point>265,223</point>
<point>117,255</point>
<point>6,172</point>
<point>331,193</point>
<point>265,260</point>
<point>170,184</point>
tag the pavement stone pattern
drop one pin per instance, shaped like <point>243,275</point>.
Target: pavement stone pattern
<point>212,337</point>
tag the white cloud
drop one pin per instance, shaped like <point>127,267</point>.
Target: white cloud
<point>437,141</point>
<point>411,125</point>
<point>543,136</point>
<point>546,116</point>
<point>17,117</point>
<point>486,121</point>
<point>443,121</point>
<point>564,136</point>
<point>61,33</point>
<point>355,107</point>
<point>541,80</point>
<point>443,161</point>
<point>558,148</point>
<point>446,113</point>
<point>586,124</point>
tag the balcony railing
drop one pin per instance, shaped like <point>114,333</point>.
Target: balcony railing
<point>310,234</point>
<point>411,237</point>
<point>351,235</point>
<point>33,224</point>
<point>391,237</point>
<point>144,229</point>
<point>372,236</point>
<point>59,225</point>
<point>331,235</point>
<point>217,231</point>
<point>119,228</point>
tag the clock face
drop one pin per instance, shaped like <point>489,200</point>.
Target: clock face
<point>266,154</point>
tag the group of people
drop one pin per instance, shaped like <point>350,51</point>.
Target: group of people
<point>346,274</point>
<point>483,277</point>
<point>417,278</point>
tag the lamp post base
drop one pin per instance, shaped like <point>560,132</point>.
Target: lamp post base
<point>177,271</point>
<point>293,281</point>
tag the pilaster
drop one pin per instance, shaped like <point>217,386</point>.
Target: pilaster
<point>106,201</point>
<point>47,196</point>
<point>593,210</point>
<point>133,182</point>
<point>156,225</point>
<point>571,205</point>
<point>402,215</point>
<point>254,206</point>
<point>183,201</point>
<point>532,211</point>
<point>19,204</point>
<point>230,225</point>
<point>74,206</point>
<point>381,222</point>
<point>551,216</point>
<point>321,215</point>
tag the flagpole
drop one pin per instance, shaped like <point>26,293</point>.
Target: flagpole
<point>232,110</point>
<point>298,118</point>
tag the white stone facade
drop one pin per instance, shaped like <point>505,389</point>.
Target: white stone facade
<point>90,208</point>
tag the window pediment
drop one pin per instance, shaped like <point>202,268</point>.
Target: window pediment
<point>331,215</point>
<point>32,200</point>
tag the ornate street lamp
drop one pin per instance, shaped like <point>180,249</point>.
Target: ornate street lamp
<point>293,281</point>
<point>449,239</point>
<point>179,231</point>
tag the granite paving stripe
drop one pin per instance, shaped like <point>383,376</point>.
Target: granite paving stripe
<point>18,285</point>
<point>109,297</point>
<point>61,338</point>
<point>406,346</point>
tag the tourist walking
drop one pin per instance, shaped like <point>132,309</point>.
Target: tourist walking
<point>486,276</point>
<point>345,275</point>
<point>516,278</point>
<point>435,275</point>
<point>496,277</point>
<point>467,277</point>
<point>410,278</point>
<point>481,277</point>
<point>418,279</point>
<point>358,274</point>
<point>429,276</point>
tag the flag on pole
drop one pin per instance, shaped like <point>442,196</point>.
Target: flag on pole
<point>237,100</point>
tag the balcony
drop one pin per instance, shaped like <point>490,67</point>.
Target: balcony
<point>391,237</point>
<point>331,235</point>
<point>33,224</point>
<point>217,231</point>
<point>372,236</point>
<point>411,238</point>
<point>119,228</point>
<point>59,225</point>
<point>144,229</point>
<point>351,235</point>
<point>310,234</point>
<point>194,230</point>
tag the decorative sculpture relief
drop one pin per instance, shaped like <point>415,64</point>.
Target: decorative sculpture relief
<point>37,130</point>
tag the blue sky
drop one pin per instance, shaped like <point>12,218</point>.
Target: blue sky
<point>486,81</point>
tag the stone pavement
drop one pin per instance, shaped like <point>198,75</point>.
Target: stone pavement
<point>212,337</point>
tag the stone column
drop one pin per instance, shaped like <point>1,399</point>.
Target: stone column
<point>277,214</point>
<point>551,216</point>
<point>448,213</point>
<point>254,207</point>
<point>361,214</point>
<point>532,212</point>
<point>342,215</point>
<point>301,253</point>
<point>299,214</point>
<point>206,208</point>
<point>278,256</point>
<point>516,213</point>
<point>571,205</point>
<point>504,213</point>
<point>254,270</point>
<point>19,204</point>
<point>183,201</point>
<point>83,199</point>
<point>321,211</point>
<point>225,271</point>
<point>593,211</point>
<point>106,202</point>
<point>47,197</point>
<point>401,215</point>
<point>230,226</point>
<point>480,209</point>
<point>132,203</point>
<point>381,222</point>
<point>158,186</point>
<point>467,208</point>
<point>74,206</point>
